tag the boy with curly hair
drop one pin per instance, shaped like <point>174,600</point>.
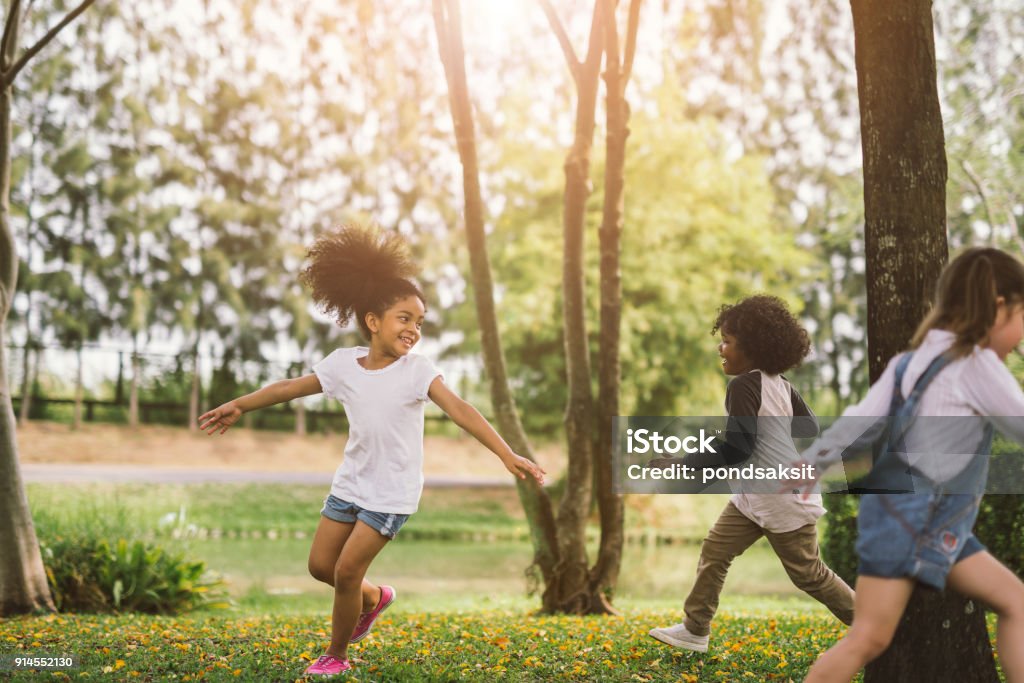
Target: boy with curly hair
<point>760,339</point>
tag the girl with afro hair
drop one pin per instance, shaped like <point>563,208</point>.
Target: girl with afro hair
<point>362,273</point>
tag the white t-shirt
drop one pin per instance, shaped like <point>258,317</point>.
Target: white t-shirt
<point>773,398</point>
<point>382,469</point>
<point>978,384</point>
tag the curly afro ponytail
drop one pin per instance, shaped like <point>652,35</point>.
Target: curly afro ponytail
<point>355,270</point>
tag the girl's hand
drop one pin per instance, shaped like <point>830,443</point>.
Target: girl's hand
<point>520,466</point>
<point>803,486</point>
<point>220,417</point>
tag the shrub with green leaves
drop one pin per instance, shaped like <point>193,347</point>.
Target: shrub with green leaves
<point>88,574</point>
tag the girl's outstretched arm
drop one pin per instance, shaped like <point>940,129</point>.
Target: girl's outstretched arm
<point>470,419</point>
<point>225,415</point>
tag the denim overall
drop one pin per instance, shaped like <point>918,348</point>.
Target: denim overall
<point>920,529</point>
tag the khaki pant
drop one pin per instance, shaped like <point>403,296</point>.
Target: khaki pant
<point>732,534</point>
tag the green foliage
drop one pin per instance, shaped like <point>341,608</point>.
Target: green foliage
<point>89,574</point>
<point>698,232</point>
<point>92,566</point>
<point>840,535</point>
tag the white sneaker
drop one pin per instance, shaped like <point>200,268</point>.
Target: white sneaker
<point>678,636</point>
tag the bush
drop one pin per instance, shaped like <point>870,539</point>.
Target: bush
<point>88,574</point>
<point>841,534</point>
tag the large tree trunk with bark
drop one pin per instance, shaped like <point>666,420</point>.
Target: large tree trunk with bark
<point>535,501</point>
<point>905,245</point>
<point>573,591</point>
<point>904,169</point>
<point>23,585</point>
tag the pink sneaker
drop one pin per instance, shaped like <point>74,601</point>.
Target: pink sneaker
<point>328,665</point>
<point>366,619</point>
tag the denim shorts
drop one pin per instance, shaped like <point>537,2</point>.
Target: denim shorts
<point>916,535</point>
<point>385,523</point>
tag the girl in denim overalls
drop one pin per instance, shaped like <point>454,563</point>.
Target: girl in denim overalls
<point>363,274</point>
<point>922,530</point>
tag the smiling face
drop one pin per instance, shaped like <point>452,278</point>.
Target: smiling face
<point>398,329</point>
<point>1008,330</point>
<point>733,360</point>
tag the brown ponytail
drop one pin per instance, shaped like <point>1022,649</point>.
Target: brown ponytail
<point>965,296</point>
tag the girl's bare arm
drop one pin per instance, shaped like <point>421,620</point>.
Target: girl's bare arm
<point>223,416</point>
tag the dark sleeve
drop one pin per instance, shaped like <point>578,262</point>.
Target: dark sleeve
<point>742,402</point>
<point>805,422</point>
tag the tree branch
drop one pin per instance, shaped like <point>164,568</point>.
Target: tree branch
<point>631,31</point>
<point>980,189</point>
<point>13,16</point>
<point>611,42</point>
<point>441,26</point>
<point>563,39</point>
<point>595,43</point>
<point>10,74</point>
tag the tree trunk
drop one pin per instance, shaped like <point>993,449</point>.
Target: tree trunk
<point>605,573</point>
<point>26,384</point>
<point>133,391</point>
<point>905,245</point>
<point>23,585</point>
<point>535,501</point>
<point>300,418</point>
<point>193,395</point>
<point>941,637</point>
<point>76,422</point>
<point>904,169</point>
<point>573,592</point>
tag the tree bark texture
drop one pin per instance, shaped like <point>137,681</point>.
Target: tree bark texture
<point>605,573</point>
<point>941,637</point>
<point>574,588</point>
<point>905,245</point>
<point>23,585</point>
<point>904,169</point>
<point>535,501</point>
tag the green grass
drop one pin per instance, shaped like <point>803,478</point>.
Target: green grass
<point>290,509</point>
<point>758,642</point>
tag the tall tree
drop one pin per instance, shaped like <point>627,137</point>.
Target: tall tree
<point>573,586</point>
<point>618,67</point>
<point>536,503</point>
<point>570,585</point>
<point>942,636</point>
<point>23,586</point>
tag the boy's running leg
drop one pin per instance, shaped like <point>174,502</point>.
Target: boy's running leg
<point>799,553</point>
<point>362,546</point>
<point>983,577</point>
<point>328,541</point>
<point>731,535</point>
<point>878,606</point>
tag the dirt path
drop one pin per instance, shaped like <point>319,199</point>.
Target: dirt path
<point>63,473</point>
<point>173,449</point>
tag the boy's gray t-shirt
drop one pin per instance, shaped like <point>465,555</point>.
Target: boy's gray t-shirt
<point>382,468</point>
